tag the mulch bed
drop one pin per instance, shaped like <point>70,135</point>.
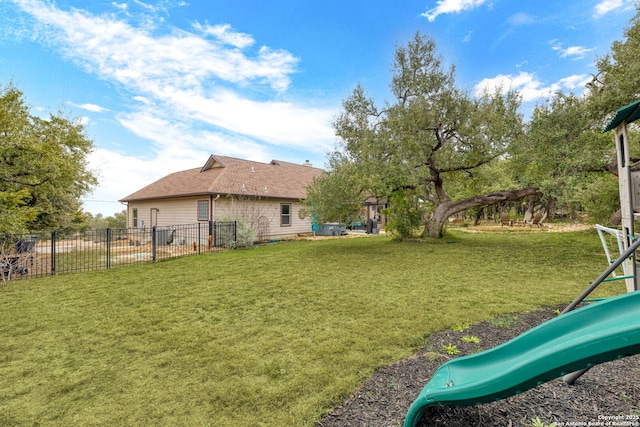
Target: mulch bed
<point>605,391</point>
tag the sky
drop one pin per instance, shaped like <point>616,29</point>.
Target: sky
<point>160,85</point>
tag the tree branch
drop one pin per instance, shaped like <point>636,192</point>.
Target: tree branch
<point>492,198</point>
<point>467,168</point>
<point>12,180</point>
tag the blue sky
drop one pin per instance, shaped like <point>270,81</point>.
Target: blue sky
<point>162,84</point>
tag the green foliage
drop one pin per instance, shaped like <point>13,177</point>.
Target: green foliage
<point>537,422</point>
<point>564,139</point>
<point>404,214</point>
<point>470,339</point>
<point>335,196</point>
<point>99,221</point>
<point>450,349</point>
<point>566,155</point>
<point>15,212</point>
<point>460,328</point>
<point>599,197</point>
<point>246,235</point>
<point>504,321</point>
<point>43,166</point>
<point>618,78</point>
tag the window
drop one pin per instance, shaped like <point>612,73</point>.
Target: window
<point>285,215</point>
<point>203,210</point>
<point>135,217</point>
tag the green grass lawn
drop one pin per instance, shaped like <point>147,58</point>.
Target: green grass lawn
<point>275,335</point>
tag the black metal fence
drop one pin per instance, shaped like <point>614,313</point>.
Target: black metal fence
<point>49,253</point>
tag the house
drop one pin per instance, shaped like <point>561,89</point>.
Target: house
<point>268,195</point>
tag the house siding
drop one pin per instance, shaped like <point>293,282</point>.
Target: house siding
<point>168,211</point>
<point>228,209</point>
<point>178,211</point>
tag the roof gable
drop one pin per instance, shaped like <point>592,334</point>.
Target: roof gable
<point>212,162</point>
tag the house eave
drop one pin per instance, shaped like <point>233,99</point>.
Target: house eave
<point>212,193</point>
<point>175,196</point>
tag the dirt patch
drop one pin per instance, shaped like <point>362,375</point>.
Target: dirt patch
<point>553,228</point>
<point>607,390</point>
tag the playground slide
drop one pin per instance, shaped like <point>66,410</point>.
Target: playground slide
<point>579,339</point>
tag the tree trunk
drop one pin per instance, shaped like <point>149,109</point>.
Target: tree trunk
<point>616,218</point>
<point>479,214</point>
<point>434,226</point>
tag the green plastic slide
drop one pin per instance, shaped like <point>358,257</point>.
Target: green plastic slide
<point>579,339</point>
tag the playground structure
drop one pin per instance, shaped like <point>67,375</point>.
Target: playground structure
<point>570,344</point>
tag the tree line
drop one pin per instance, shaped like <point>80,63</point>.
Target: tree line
<point>434,150</point>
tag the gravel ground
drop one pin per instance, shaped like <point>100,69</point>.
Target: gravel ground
<point>598,397</point>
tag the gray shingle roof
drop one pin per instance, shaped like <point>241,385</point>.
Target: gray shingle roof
<point>227,175</point>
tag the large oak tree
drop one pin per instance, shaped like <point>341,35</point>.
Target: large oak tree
<point>432,138</point>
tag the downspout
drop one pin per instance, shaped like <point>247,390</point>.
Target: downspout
<point>211,200</point>
<point>212,225</point>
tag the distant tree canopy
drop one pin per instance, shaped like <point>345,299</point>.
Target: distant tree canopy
<point>617,82</point>
<point>566,153</point>
<point>99,221</point>
<point>43,167</point>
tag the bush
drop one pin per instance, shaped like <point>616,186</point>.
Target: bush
<point>403,214</point>
<point>245,234</point>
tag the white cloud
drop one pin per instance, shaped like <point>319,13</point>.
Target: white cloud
<point>572,52</point>
<point>451,6</point>
<point>520,19</point>
<point>577,81</point>
<point>121,6</point>
<point>122,174</point>
<point>606,6</point>
<point>575,52</point>
<point>528,85</point>
<point>84,120</point>
<point>190,92</point>
<point>225,34</point>
<point>134,56</point>
<point>179,143</point>
<point>90,107</point>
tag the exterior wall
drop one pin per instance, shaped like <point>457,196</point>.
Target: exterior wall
<point>178,211</point>
<point>227,208</point>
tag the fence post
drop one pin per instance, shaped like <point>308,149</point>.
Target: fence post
<point>153,243</point>
<point>235,231</point>
<point>215,234</point>
<point>108,247</point>
<point>53,252</point>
